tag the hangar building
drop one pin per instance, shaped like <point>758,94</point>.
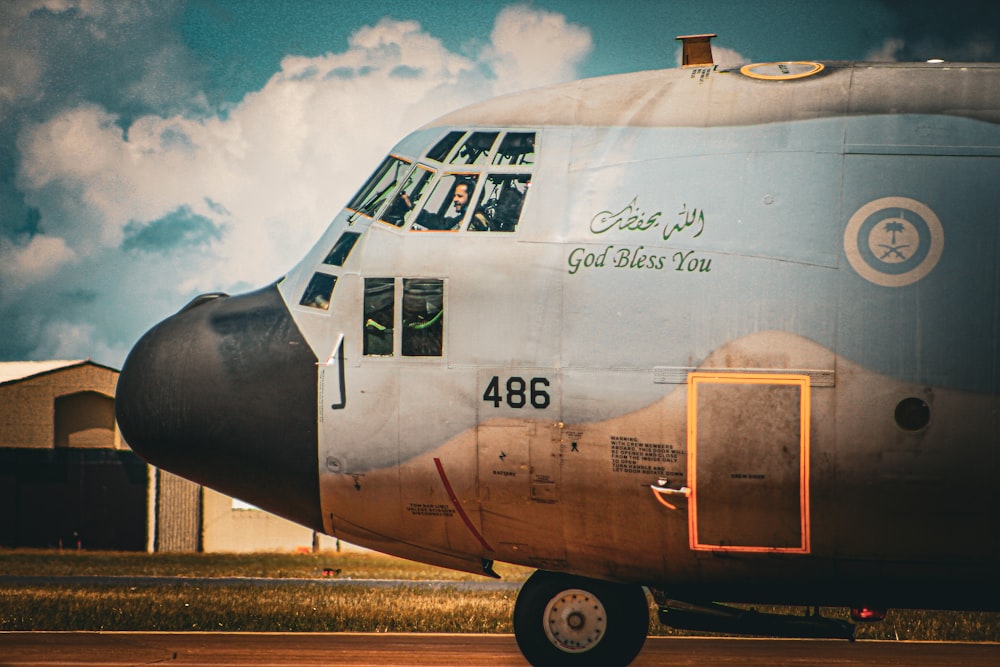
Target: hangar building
<point>68,480</point>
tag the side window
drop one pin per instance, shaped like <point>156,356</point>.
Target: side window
<point>319,291</point>
<point>500,203</point>
<point>379,315</point>
<point>423,317</point>
<point>476,149</point>
<point>342,248</point>
<point>443,147</point>
<point>409,196</point>
<point>517,148</point>
<point>379,186</point>
<point>447,203</point>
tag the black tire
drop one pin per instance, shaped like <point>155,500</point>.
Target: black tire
<point>561,620</point>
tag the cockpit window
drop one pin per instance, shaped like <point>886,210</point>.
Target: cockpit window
<point>476,149</point>
<point>374,193</point>
<point>443,147</point>
<point>517,148</point>
<point>484,192</point>
<point>423,317</point>
<point>500,203</point>
<point>447,203</point>
<point>409,196</point>
<point>319,291</point>
<point>341,249</point>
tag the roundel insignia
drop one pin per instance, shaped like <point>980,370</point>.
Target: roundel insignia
<point>781,71</point>
<point>893,241</point>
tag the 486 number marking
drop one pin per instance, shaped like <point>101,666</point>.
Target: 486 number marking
<point>518,392</point>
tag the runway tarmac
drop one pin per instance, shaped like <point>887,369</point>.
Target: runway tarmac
<point>438,650</point>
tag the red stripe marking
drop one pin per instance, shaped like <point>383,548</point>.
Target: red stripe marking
<point>458,506</point>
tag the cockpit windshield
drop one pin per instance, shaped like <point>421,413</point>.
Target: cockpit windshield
<point>499,205</point>
<point>474,180</point>
<point>448,203</point>
<point>409,196</point>
<point>380,185</point>
<point>476,149</point>
<point>517,148</point>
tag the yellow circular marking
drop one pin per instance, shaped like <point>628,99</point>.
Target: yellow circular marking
<point>796,69</point>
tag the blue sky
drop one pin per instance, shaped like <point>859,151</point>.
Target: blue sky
<point>154,150</point>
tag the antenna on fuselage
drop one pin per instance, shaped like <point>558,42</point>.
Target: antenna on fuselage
<point>697,50</point>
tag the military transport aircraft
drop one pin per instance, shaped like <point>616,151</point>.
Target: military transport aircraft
<point>722,335</point>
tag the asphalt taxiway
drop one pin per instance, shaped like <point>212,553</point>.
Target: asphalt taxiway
<point>48,649</point>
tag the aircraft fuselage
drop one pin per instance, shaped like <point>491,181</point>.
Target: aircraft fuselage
<point>729,336</point>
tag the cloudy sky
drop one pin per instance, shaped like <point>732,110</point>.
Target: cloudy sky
<point>152,150</point>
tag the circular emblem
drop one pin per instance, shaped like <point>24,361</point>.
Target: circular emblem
<point>893,241</point>
<point>781,71</point>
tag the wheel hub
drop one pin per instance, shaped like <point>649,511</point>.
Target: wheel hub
<point>575,620</point>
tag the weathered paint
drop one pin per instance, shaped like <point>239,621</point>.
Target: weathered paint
<point>836,232</point>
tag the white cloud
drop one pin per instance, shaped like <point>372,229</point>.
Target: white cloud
<point>728,58</point>
<point>532,48</point>
<point>20,69</point>
<point>41,258</point>
<point>77,340</point>
<point>277,166</point>
<point>888,52</point>
<point>130,223</point>
<point>82,151</point>
<point>55,53</point>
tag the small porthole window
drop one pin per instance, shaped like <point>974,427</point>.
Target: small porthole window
<point>444,146</point>
<point>342,248</point>
<point>319,291</point>
<point>912,414</point>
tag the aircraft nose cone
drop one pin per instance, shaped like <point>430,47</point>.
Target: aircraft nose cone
<point>224,394</point>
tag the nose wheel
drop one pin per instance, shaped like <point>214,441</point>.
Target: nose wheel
<point>568,621</point>
<point>575,620</point>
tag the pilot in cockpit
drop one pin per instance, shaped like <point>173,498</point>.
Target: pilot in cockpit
<point>447,205</point>
<point>459,203</point>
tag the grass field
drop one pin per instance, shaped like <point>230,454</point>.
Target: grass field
<point>313,607</point>
<point>345,564</point>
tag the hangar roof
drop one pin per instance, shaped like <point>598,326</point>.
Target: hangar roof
<point>14,371</point>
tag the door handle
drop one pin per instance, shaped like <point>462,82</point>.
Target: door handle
<point>661,491</point>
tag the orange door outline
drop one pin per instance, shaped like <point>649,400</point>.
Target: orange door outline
<point>802,381</point>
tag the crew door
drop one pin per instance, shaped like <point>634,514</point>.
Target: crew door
<point>748,453</point>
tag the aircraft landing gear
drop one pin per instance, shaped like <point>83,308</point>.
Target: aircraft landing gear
<point>561,620</point>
